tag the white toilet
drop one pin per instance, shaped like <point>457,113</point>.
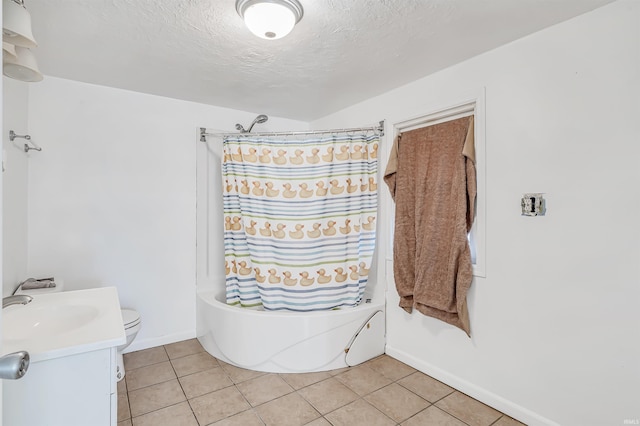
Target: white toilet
<point>132,324</point>
<point>130,320</point>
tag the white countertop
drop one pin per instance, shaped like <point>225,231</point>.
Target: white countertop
<point>61,324</point>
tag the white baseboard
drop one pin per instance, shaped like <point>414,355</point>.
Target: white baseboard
<point>499,403</point>
<point>138,345</point>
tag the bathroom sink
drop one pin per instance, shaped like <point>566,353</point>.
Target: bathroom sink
<point>47,320</point>
<point>62,324</point>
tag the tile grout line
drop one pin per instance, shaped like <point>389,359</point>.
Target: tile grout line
<point>235,385</point>
<point>297,391</point>
<point>313,406</point>
<point>170,405</point>
<point>407,419</point>
<point>497,420</point>
<point>452,415</point>
<point>419,396</point>
<point>361,397</point>
<point>397,381</point>
<point>470,397</point>
<point>127,396</point>
<point>447,412</point>
<point>281,396</point>
<point>186,399</point>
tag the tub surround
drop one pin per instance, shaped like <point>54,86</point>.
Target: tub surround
<point>290,342</point>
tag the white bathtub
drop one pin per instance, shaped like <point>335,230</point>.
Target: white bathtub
<point>290,342</point>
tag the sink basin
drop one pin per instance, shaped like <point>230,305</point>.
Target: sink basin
<point>65,323</point>
<point>43,321</point>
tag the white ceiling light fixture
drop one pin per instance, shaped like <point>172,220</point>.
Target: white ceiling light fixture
<point>16,24</point>
<point>270,19</point>
<point>8,52</point>
<point>24,67</point>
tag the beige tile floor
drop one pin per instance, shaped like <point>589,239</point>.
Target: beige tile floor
<point>182,385</point>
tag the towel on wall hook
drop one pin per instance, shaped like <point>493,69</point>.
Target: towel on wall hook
<point>27,147</point>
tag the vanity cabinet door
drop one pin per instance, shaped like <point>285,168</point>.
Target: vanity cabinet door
<point>75,390</point>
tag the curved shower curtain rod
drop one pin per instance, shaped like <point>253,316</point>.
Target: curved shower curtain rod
<point>379,128</point>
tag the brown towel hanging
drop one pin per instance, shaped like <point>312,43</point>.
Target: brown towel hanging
<point>432,178</point>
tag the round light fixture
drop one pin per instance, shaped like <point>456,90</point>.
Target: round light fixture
<point>270,19</point>
<point>8,52</point>
<point>24,67</point>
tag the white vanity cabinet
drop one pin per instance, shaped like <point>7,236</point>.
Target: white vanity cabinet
<point>76,390</point>
<point>72,338</point>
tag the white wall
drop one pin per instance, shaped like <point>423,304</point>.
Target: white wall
<point>14,185</point>
<point>112,196</point>
<point>555,329</point>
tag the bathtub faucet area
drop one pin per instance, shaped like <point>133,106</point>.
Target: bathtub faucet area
<point>21,299</point>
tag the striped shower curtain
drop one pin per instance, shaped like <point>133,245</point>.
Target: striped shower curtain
<point>300,220</point>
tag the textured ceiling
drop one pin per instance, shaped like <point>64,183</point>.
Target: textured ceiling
<point>342,52</point>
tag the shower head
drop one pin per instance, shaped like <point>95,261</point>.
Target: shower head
<point>259,120</point>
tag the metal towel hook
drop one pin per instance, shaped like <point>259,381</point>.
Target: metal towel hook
<point>27,147</point>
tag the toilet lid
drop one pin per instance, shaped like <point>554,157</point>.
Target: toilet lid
<point>130,317</point>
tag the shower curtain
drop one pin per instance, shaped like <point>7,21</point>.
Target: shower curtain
<point>300,220</point>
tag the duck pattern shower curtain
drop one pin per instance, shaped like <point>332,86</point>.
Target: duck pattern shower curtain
<point>300,220</point>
